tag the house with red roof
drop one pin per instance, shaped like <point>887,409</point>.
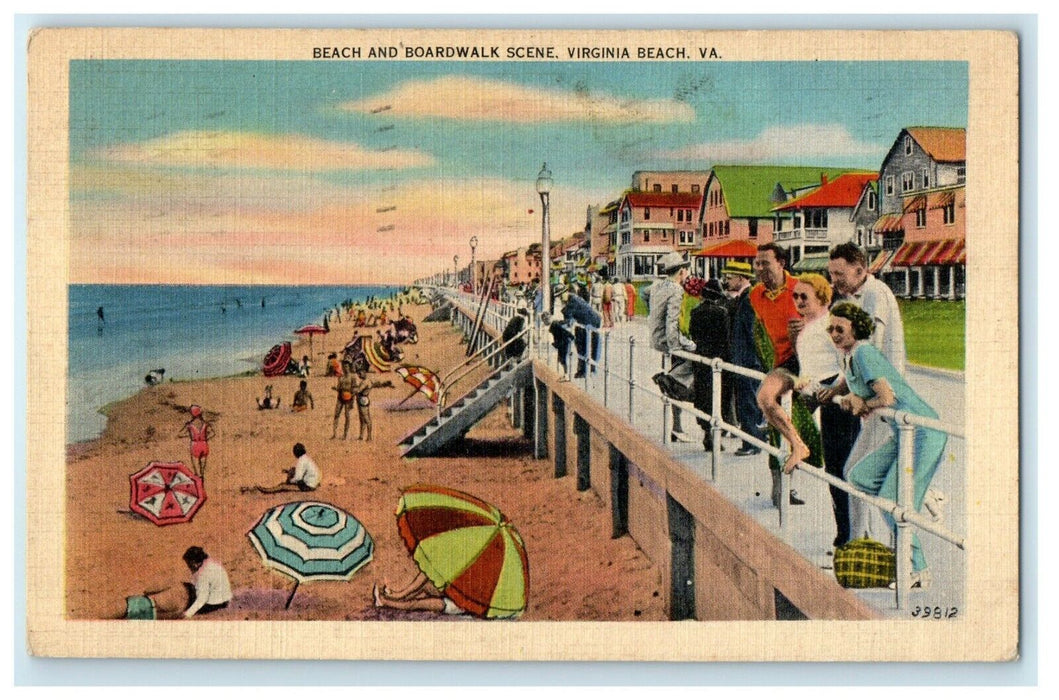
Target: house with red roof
<point>810,224</point>
<point>738,204</point>
<point>922,222</point>
<point>651,224</point>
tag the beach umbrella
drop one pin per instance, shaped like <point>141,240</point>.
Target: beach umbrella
<point>424,381</point>
<point>466,548</point>
<point>311,541</point>
<point>166,493</point>
<point>311,330</point>
<point>276,360</point>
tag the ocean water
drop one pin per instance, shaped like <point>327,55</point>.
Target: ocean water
<point>182,329</point>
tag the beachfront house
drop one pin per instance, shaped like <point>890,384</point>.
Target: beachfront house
<point>812,223</point>
<point>738,205</point>
<point>923,212</point>
<point>651,224</point>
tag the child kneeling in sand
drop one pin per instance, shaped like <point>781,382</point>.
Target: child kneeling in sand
<point>302,398</point>
<point>303,476</point>
<point>209,590</point>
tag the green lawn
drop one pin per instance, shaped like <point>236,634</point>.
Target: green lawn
<point>934,332</point>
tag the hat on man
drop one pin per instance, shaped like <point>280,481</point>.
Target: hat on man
<point>738,268</point>
<point>671,262</point>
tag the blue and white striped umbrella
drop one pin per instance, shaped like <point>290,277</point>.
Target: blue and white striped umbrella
<point>312,541</point>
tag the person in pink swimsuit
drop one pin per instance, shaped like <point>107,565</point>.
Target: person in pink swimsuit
<point>199,432</point>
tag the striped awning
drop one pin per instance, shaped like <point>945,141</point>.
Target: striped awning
<point>906,253</point>
<point>814,262</point>
<point>928,252</point>
<point>956,254</point>
<point>729,249</point>
<point>890,223</point>
<point>880,261</point>
<point>915,203</point>
<point>941,200</point>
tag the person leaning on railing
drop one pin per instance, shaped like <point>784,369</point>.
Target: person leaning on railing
<point>874,383</point>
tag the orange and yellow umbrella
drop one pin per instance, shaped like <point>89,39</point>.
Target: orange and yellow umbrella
<point>466,548</point>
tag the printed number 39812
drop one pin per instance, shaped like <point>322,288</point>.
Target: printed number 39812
<point>935,612</point>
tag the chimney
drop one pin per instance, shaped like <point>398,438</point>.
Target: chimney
<point>823,179</point>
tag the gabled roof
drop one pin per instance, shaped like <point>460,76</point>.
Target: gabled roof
<point>682,200</point>
<point>843,191</point>
<point>748,189</point>
<point>942,143</point>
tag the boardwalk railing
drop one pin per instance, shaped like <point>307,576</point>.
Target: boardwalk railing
<point>902,510</point>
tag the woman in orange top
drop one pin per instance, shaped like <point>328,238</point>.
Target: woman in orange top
<point>199,432</point>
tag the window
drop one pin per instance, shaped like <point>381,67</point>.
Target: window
<point>665,235</point>
<point>657,188</point>
<point>961,173</point>
<point>680,214</point>
<point>926,178</point>
<point>626,237</point>
<point>872,201</point>
<point>694,189</point>
<point>688,215</point>
<point>889,184</point>
<point>860,235</point>
<point>921,217</point>
<point>949,213</point>
<point>647,236</point>
<point>675,189</point>
<point>908,145</point>
<point>816,218</point>
<point>646,213</point>
<point>908,181</point>
<point>726,227</point>
<point>752,224</point>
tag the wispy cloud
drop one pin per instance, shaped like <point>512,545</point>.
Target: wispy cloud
<point>223,228</point>
<point>781,144</point>
<point>224,150</point>
<point>478,99</point>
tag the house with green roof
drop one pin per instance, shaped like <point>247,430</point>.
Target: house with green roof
<point>739,200</point>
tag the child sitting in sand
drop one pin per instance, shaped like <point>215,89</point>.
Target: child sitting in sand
<point>303,476</point>
<point>304,366</point>
<point>209,590</point>
<point>302,398</point>
<point>334,367</point>
<point>268,402</point>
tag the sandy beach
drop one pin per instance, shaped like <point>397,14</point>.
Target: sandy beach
<point>577,572</point>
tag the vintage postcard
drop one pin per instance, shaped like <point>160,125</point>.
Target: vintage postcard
<point>523,345</point>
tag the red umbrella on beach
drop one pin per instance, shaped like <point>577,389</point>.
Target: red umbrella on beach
<point>276,360</point>
<point>311,330</point>
<point>166,493</point>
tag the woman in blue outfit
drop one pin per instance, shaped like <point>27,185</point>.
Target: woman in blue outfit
<point>874,383</point>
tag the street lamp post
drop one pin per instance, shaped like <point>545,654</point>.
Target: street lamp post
<point>544,185</point>
<point>455,270</point>
<point>474,244</point>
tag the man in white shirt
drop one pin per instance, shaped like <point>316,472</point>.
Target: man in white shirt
<point>848,269</point>
<point>303,476</point>
<point>209,583</point>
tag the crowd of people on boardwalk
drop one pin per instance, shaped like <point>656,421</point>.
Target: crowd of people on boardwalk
<point>815,338</point>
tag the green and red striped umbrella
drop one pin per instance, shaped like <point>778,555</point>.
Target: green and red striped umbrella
<point>466,548</point>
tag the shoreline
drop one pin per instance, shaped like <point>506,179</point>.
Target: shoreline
<point>577,572</point>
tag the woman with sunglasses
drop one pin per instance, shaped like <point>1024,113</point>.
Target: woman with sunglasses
<point>874,383</point>
<point>819,364</point>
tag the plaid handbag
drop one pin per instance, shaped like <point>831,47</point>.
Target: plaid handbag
<point>865,563</point>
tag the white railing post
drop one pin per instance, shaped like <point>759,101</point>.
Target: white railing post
<point>715,419</point>
<point>632,379</point>
<point>785,478</point>
<point>589,337</point>
<point>665,419</point>
<point>906,463</point>
<point>606,366</point>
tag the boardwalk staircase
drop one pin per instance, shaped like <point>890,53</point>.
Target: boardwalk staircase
<point>455,419</point>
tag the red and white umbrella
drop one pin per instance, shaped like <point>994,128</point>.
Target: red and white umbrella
<point>166,493</point>
<point>311,330</point>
